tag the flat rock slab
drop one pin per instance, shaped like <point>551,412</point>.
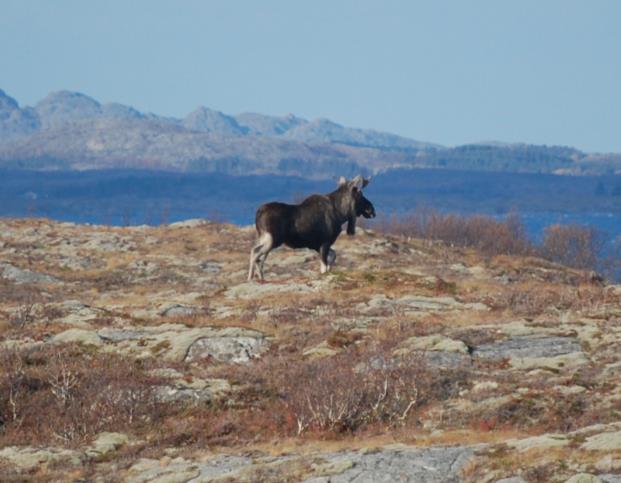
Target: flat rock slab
<point>78,336</point>
<point>539,442</point>
<point>416,304</point>
<point>119,335</point>
<point>610,441</point>
<point>610,478</point>
<point>530,353</point>
<point>447,360</point>
<point>390,464</point>
<point>174,342</point>
<point>79,314</point>
<point>436,304</point>
<point>181,470</point>
<point>27,458</point>
<point>105,444</point>
<point>437,464</point>
<point>435,342</point>
<point>23,275</point>
<point>226,349</point>
<point>179,310</point>
<point>523,347</point>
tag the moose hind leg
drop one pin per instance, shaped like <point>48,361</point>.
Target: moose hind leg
<point>263,258</point>
<point>254,254</point>
<point>267,243</point>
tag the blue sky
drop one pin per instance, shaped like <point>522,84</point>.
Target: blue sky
<point>451,72</point>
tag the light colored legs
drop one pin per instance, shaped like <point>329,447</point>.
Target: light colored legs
<point>264,245</point>
<point>263,258</point>
<point>258,254</point>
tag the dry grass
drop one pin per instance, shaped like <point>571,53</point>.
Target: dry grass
<point>530,300</point>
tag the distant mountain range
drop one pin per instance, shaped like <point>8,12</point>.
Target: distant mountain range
<point>69,130</point>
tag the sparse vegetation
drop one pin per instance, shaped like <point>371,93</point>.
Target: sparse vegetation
<point>349,392</point>
<point>410,340</point>
<point>571,245</point>
<point>484,233</point>
<point>66,395</point>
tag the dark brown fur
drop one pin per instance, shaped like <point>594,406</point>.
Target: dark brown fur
<point>315,223</point>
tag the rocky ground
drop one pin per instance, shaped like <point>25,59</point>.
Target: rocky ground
<point>142,354</point>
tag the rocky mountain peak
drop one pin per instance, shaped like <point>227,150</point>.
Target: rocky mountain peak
<point>263,125</point>
<point>14,121</point>
<point>209,120</point>
<point>120,111</point>
<point>327,131</point>
<point>7,104</point>
<point>63,107</point>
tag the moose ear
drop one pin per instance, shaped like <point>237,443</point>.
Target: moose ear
<point>357,182</point>
<point>365,182</point>
<point>342,181</point>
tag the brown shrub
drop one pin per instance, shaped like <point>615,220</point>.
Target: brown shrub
<point>362,388</point>
<point>572,245</point>
<point>68,395</point>
<point>546,412</point>
<point>545,407</point>
<point>484,233</point>
<point>342,393</point>
<point>340,338</point>
<point>352,390</point>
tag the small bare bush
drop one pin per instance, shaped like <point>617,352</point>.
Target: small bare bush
<point>572,245</point>
<point>23,315</point>
<point>346,392</point>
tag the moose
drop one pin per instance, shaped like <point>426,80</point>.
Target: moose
<point>315,223</point>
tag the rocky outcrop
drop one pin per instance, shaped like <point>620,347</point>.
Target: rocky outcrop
<point>397,463</point>
<point>535,352</point>
<point>174,342</point>
<point>23,275</point>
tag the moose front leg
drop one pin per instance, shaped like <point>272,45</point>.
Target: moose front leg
<point>331,258</point>
<point>351,226</point>
<point>324,256</point>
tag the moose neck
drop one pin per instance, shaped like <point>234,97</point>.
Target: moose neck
<point>340,201</point>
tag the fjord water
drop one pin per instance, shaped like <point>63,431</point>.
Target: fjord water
<point>129,197</point>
